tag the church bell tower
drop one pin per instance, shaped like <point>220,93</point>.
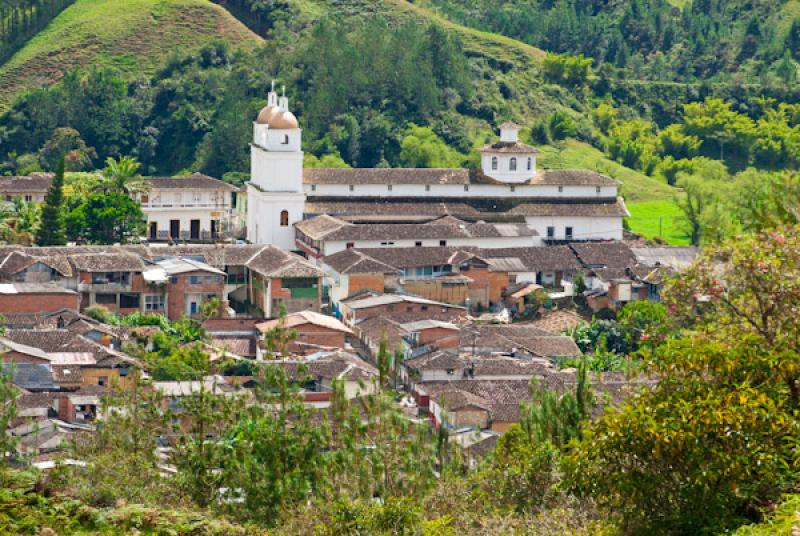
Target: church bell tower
<point>275,197</point>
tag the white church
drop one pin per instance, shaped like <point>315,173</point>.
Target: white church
<point>557,205</point>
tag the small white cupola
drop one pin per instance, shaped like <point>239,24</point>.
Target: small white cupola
<point>509,132</point>
<point>508,160</point>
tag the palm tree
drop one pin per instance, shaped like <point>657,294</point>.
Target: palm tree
<point>122,176</point>
<point>25,220</point>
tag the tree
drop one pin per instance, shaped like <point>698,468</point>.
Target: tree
<point>561,126</point>
<point>8,411</point>
<point>106,219</point>
<point>422,148</point>
<point>67,143</point>
<point>715,439</point>
<point>699,195</point>
<point>121,177</point>
<point>786,69</point>
<point>51,230</point>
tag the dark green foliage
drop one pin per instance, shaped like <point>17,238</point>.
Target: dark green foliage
<point>51,228</point>
<point>561,126</point>
<point>22,19</point>
<point>105,219</point>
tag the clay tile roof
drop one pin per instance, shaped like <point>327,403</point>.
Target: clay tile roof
<point>67,374</point>
<point>572,177</point>
<point>320,227</point>
<point>107,262</point>
<point>608,260</point>
<point>538,259</point>
<point>526,337</point>
<point>558,321</point>
<point>418,256</point>
<point>505,147</point>
<point>35,182</point>
<point>455,399</point>
<point>584,208</point>
<point>357,176</point>
<point>379,327</point>
<point>195,181</point>
<point>304,317</point>
<point>271,261</point>
<point>436,361</point>
<point>351,261</point>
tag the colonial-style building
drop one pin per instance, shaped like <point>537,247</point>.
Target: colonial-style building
<point>559,205</point>
<point>196,208</point>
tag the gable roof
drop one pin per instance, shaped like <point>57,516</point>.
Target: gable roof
<point>607,260</point>
<point>30,376</point>
<point>195,181</point>
<point>300,318</point>
<point>537,259</point>
<point>107,262</point>
<point>19,184</point>
<point>271,261</point>
<point>353,261</point>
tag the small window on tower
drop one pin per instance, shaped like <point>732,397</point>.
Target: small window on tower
<point>494,163</point>
<point>313,187</point>
<point>598,189</point>
<point>530,163</point>
<point>512,165</point>
<point>390,187</point>
<point>284,218</point>
<point>352,187</point>
<point>466,187</point>
<point>286,139</point>
<point>427,187</point>
<point>560,189</point>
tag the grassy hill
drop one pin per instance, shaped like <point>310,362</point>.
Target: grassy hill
<point>135,36</point>
<point>650,201</point>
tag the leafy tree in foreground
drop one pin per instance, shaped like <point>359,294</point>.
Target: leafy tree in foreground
<point>106,219</point>
<point>51,230</point>
<point>716,440</point>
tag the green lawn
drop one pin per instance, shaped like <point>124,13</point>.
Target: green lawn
<point>658,218</point>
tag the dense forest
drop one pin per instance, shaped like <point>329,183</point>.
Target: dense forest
<point>721,40</point>
<point>20,20</point>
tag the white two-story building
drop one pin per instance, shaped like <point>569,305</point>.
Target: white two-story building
<point>195,208</point>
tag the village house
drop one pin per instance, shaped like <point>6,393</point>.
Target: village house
<point>449,275</point>
<point>311,331</point>
<point>195,208</point>
<point>355,311</point>
<point>29,188</point>
<point>37,297</point>
<point>253,280</point>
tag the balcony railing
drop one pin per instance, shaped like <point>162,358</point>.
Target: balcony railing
<point>104,287</point>
<point>202,236</point>
<point>217,206</point>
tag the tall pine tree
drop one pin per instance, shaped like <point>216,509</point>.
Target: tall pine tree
<point>51,228</point>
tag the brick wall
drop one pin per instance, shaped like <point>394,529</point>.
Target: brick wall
<point>17,357</point>
<point>177,292</point>
<point>318,335</point>
<point>435,335</point>
<point>38,303</point>
<point>374,282</point>
<point>424,311</point>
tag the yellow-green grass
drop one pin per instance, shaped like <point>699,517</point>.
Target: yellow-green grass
<point>635,186</point>
<point>662,219</point>
<point>782,522</point>
<point>135,36</point>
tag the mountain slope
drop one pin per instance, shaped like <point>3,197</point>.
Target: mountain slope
<point>135,36</point>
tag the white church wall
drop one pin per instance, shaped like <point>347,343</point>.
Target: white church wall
<point>504,172</point>
<point>264,224</point>
<point>583,227</point>
<point>276,171</point>
<point>331,247</point>
<point>459,191</point>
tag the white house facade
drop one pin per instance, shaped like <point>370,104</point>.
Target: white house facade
<point>196,208</point>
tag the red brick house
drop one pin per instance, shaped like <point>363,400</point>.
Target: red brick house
<point>313,331</point>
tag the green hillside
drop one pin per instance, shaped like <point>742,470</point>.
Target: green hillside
<point>135,36</point>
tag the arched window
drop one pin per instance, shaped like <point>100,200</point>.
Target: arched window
<point>494,163</point>
<point>512,165</point>
<point>284,218</point>
<point>530,163</point>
